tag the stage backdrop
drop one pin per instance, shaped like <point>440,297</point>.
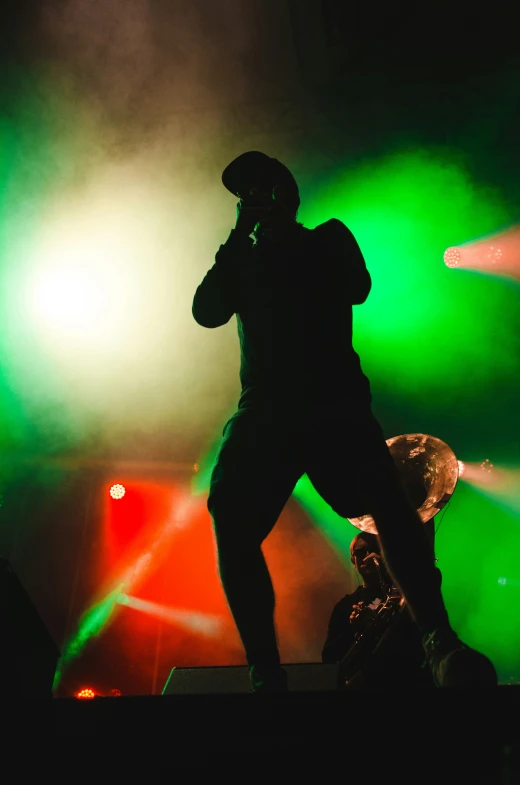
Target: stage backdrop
<point>116,121</point>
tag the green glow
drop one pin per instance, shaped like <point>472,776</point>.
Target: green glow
<point>478,543</point>
<point>339,531</point>
<point>201,479</point>
<point>93,621</point>
<point>29,171</point>
<point>424,327</point>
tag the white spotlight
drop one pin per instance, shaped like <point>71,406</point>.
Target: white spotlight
<point>117,491</point>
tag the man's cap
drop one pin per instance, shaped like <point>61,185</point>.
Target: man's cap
<point>258,169</point>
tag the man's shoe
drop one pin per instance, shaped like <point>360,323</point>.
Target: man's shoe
<point>453,664</point>
<point>267,678</point>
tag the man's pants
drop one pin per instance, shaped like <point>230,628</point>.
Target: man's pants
<point>260,460</point>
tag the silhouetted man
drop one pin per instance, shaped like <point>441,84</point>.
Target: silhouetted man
<point>305,407</point>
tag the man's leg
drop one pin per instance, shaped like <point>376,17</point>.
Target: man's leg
<point>405,546</point>
<point>253,477</point>
<point>249,591</point>
<point>376,488</point>
<point>414,571</point>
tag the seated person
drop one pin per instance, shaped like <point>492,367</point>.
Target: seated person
<point>398,660</point>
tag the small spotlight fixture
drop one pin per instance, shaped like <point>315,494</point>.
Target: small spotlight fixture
<point>87,693</point>
<point>117,491</point>
<point>452,257</point>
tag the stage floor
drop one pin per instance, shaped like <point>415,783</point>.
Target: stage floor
<point>440,736</point>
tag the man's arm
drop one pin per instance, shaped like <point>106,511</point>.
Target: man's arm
<point>340,635</point>
<point>344,247</point>
<point>215,299</point>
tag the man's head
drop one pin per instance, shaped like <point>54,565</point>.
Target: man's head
<point>254,175</point>
<point>361,546</point>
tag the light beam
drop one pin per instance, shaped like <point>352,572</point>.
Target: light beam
<point>500,483</point>
<point>201,623</point>
<point>498,254</point>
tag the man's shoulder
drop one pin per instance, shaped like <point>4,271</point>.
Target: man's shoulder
<point>332,225</point>
<point>333,230</point>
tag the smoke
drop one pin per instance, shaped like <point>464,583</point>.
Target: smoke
<point>309,578</point>
<point>122,122</point>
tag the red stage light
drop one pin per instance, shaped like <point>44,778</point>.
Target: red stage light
<point>86,692</point>
<point>117,491</point>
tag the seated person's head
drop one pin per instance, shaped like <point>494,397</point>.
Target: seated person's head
<point>361,546</point>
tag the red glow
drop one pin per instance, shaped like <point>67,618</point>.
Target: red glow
<point>188,577</point>
<point>86,693</point>
<point>160,548</point>
<point>159,543</point>
<point>306,573</point>
<point>177,549</point>
<point>131,525</point>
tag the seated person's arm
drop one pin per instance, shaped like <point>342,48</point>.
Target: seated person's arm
<point>340,635</point>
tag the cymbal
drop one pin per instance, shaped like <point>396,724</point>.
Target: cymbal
<point>429,469</point>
